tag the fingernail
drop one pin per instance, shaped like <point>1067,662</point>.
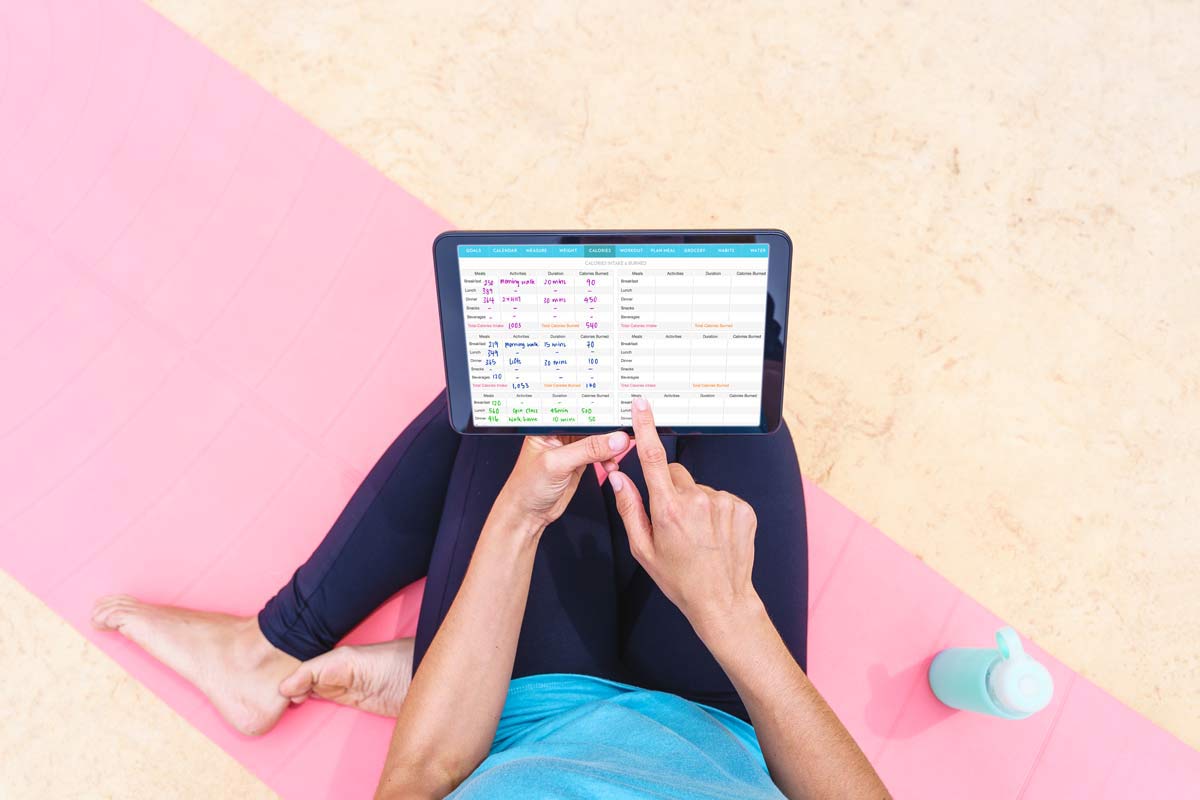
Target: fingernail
<point>618,482</point>
<point>617,441</point>
<point>640,403</point>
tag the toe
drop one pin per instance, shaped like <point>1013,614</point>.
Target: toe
<point>112,619</point>
<point>115,600</point>
<point>102,615</point>
<point>329,676</point>
<point>300,682</point>
<point>105,606</point>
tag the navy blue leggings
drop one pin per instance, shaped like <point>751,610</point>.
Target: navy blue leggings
<point>592,609</point>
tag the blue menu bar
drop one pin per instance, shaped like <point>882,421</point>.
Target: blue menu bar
<point>613,250</point>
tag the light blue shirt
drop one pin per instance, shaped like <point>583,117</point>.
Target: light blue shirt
<point>578,736</point>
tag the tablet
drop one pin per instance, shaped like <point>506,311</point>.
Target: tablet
<point>558,331</point>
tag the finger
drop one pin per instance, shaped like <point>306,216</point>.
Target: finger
<point>589,450</point>
<point>633,514</point>
<point>680,476</point>
<point>650,449</point>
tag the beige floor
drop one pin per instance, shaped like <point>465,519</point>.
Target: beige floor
<point>997,308</point>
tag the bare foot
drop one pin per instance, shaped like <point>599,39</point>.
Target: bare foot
<point>373,677</point>
<point>226,657</point>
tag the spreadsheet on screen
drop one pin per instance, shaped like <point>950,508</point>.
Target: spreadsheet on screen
<point>570,334</point>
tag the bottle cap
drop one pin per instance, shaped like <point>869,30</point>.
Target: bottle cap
<point>1019,683</point>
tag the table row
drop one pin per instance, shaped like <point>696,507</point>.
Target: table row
<point>610,408</point>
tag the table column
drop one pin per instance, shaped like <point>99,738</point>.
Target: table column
<point>520,357</point>
<point>517,300</point>
<point>558,361</point>
<point>672,376</point>
<point>748,298</point>
<point>595,296</point>
<point>522,408</point>
<point>706,408</point>
<point>635,299</point>
<point>710,299</point>
<point>487,408</point>
<point>673,298</point>
<point>560,408</point>
<point>556,306</point>
<point>709,355</point>
<point>744,364</point>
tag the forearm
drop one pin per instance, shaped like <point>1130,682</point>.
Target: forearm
<point>809,752</point>
<point>449,717</point>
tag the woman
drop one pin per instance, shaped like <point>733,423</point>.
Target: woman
<point>550,600</point>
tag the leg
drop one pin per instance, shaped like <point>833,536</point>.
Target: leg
<point>570,622</point>
<point>659,646</point>
<point>381,542</point>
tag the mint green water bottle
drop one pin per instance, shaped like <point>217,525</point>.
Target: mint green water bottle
<point>1004,682</point>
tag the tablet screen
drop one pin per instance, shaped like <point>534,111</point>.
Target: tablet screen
<point>568,334</point>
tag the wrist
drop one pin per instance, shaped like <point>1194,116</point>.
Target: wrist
<point>511,520</point>
<point>724,622</point>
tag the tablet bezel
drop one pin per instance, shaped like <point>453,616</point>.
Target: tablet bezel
<point>454,336</point>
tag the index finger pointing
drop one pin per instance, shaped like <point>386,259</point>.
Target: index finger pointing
<point>650,449</point>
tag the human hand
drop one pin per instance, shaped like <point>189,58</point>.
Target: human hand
<point>548,470</point>
<point>697,543</point>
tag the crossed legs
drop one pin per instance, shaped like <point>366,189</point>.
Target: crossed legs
<point>591,609</point>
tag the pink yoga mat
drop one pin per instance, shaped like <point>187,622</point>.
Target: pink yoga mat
<point>213,318</point>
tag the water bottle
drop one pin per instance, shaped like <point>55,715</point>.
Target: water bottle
<point>1005,682</point>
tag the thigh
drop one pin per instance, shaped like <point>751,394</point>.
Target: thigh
<point>570,622</point>
<point>659,646</point>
